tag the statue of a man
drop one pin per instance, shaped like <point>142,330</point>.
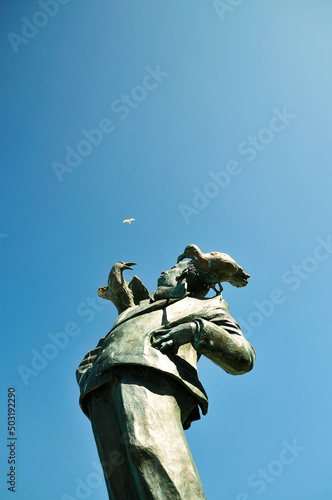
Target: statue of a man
<point>140,388</point>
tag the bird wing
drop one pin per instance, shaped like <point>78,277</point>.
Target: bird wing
<point>140,292</point>
<point>220,255</point>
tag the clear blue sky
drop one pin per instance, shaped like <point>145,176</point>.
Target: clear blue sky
<point>207,127</point>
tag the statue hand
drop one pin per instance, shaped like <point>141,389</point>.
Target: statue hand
<point>172,338</point>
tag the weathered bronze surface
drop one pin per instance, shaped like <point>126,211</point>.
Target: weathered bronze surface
<point>139,386</point>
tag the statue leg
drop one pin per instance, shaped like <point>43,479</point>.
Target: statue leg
<point>111,444</point>
<point>148,409</point>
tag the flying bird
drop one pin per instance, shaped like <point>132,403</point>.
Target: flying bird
<point>215,267</point>
<point>128,220</point>
<point>121,293</point>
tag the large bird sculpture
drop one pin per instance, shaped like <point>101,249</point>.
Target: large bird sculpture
<point>121,293</point>
<point>215,267</point>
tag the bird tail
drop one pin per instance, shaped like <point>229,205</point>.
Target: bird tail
<point>240,279</point>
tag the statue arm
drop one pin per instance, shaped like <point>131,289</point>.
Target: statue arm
<point>220,339</point>
<point>224,344</point>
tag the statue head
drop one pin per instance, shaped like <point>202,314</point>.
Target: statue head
<point>179,281</point>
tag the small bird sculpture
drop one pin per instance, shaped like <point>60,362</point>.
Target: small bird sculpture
<point>128,220</point>
<point>215,267</point>
<point>121,293</point>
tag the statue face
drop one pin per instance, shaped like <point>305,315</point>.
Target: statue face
<point>168,278</point>
<point>170,286</point>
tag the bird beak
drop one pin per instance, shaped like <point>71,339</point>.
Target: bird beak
<point>127,265</point>
<point>181,257</point>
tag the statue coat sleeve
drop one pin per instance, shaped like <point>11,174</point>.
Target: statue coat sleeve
<point>223,343</point>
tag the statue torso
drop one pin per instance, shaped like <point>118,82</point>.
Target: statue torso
<point>129,342</point>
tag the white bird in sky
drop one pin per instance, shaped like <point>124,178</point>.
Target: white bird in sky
<point>128,220</point>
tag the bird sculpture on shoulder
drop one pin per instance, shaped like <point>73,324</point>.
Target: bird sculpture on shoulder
<point>121,293</point>
<point>215,267</point>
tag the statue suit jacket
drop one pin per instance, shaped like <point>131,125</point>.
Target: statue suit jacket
<point>129,343</point>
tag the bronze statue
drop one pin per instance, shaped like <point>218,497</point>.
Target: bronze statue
<point>140,388</point>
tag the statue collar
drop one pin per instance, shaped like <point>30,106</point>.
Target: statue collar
<point>145,306</point>
<point>148,305</point>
